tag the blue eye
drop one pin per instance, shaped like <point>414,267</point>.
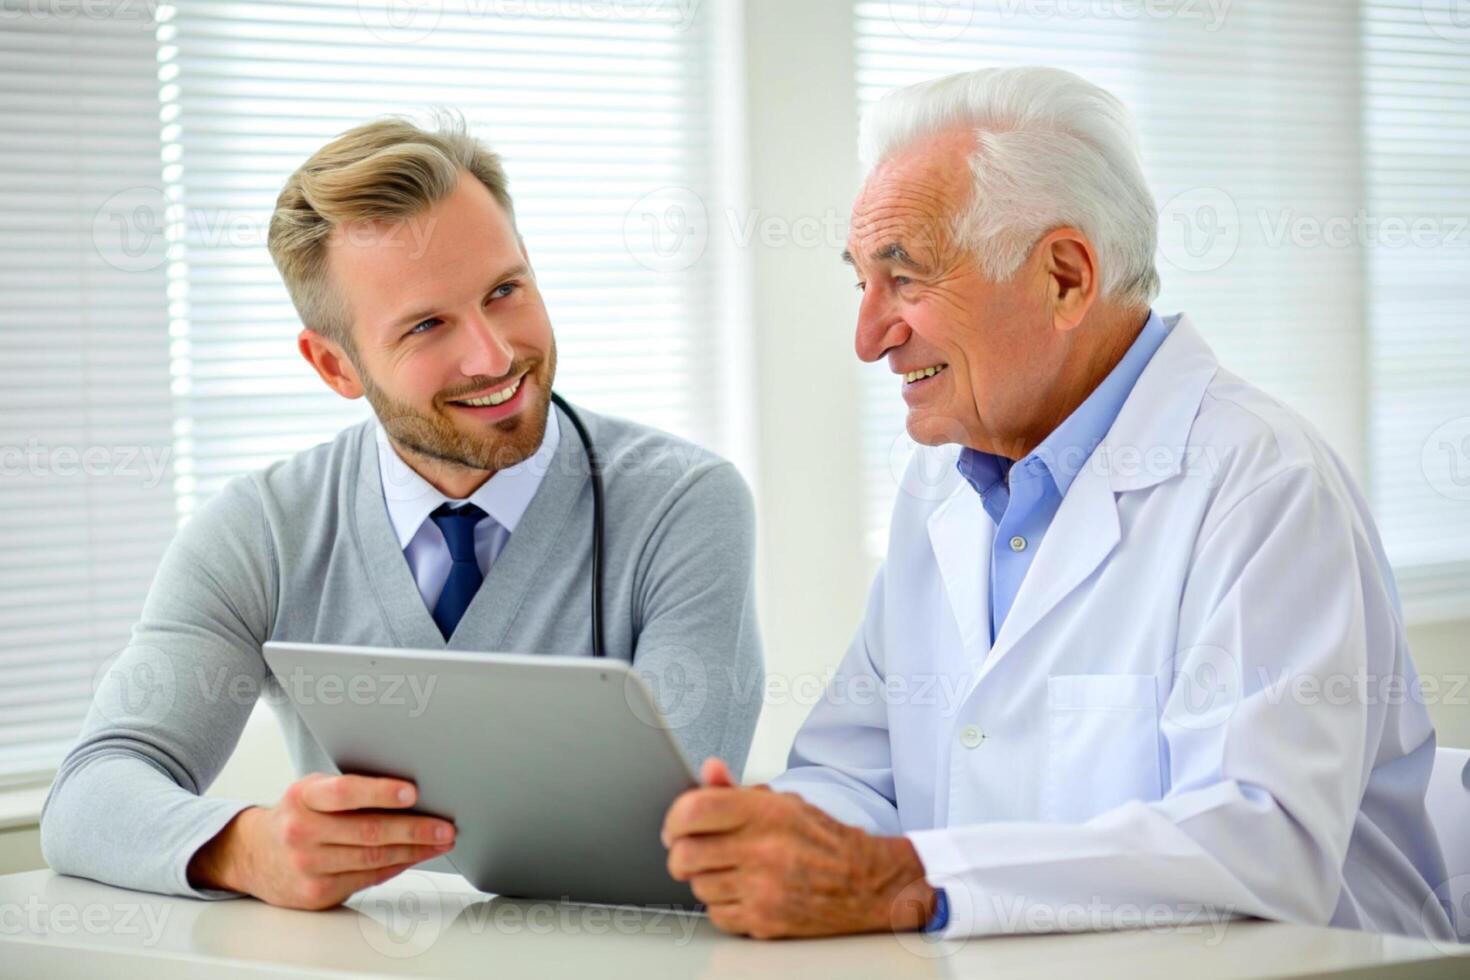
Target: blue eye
<point>901,280</point>
<point>499,292</point>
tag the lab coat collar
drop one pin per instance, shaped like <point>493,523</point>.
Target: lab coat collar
<point>1149,441</point>
<point>1147,444</point>
<point>961,533</point>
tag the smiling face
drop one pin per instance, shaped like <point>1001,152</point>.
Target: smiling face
<point>451,341</point>
<point>972,354</point>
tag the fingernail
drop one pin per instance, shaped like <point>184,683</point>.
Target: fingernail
<point>405,795</point>
<point>441,833</point>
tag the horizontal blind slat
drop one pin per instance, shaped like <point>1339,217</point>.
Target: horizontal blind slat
<point>86,500</point>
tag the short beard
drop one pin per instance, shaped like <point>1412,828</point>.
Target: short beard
<point>502,445</point>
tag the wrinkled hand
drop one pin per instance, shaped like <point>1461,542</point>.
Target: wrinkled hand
<point>770,864</point>
<point>326,839</point>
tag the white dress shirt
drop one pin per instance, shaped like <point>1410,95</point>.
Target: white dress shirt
<point>411,499</point>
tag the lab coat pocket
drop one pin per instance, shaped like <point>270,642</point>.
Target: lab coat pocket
<point>1103,744</point>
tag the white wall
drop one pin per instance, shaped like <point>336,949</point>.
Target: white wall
<point>1442,653</point>
<point>801,118</point>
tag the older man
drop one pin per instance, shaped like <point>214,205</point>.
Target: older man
<point>1076,698</point>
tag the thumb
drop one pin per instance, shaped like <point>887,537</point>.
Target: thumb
<point>714,772</point>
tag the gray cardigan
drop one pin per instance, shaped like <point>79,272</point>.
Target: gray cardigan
<point>304,551</point>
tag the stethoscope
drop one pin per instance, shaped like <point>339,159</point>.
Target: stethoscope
<point>598,650</point>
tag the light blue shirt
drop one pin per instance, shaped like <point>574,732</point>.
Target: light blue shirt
<point>1022,496</point>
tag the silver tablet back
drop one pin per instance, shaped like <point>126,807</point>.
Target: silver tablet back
<point>556,771</point>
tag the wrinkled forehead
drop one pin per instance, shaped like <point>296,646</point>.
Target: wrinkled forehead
<point>912,198</point>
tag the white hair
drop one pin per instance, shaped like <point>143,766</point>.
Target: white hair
<point>1052,150</point>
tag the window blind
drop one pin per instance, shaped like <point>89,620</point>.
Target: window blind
<point>86,504</point>
<point>1273,136</point>
<point>599,113</point>
<point>1416,137</point>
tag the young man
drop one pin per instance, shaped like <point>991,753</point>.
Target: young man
<point>460,519</point>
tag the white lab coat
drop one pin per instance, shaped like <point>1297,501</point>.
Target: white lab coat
<point>1196,707</point>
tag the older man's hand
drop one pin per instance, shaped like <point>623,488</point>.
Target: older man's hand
<point>770,864</point>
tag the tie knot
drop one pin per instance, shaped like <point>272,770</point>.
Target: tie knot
<point>458,526</point>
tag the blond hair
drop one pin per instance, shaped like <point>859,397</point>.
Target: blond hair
<point>385,170</point>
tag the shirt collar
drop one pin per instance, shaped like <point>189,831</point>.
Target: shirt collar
<point>1063,452</point>
<point>505,496</point>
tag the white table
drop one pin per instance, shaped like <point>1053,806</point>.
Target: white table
<point>424,924</point>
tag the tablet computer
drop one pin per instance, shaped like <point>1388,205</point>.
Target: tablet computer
<point>556,771</point>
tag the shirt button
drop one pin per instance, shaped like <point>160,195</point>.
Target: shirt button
<point>971,737</point>
<point>1018,543</point>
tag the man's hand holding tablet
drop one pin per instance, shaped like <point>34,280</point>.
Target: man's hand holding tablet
<point>327,838</point>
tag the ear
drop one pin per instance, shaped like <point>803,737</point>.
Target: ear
<point>331,362</point>
<point>1071,276</point>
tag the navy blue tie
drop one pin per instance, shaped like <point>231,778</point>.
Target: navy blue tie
<point>458,525</point>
